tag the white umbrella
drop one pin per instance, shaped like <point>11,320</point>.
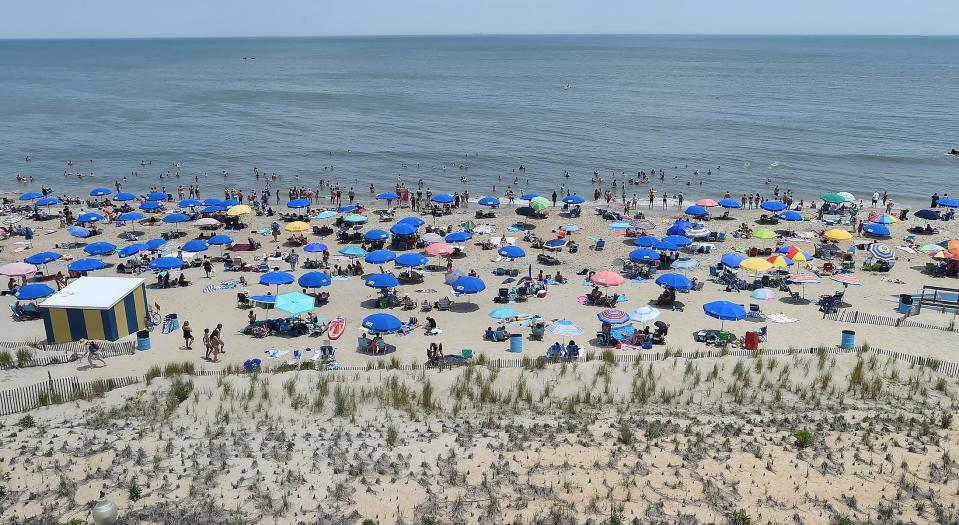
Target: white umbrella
<point>847,196</point>
<point>431,238</point>
<point>643,314</point>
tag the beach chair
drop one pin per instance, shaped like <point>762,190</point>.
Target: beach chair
<point>444,304</point>
<point>426,306</point>
<point>754,312</point>
<point>763,332</point>
<point>467,354</point>
<point>721,237</point>
<point>537,332</point>
<point>600,245</point>
<point>572,352</point>
<point>363,344</point>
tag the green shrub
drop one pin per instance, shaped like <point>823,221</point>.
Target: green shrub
<point>134,490</point>
<point>739,517</point>
<point>26,422</point>
<point>626,434</point>
<point>804,438</point>
<point>6,359</point>
<point>24,356</point>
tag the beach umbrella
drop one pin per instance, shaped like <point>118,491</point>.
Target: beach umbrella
<point>678,240</point>
<point>876,230</point>
<point>355,218</point>
<point>613,317</point>
<point>679,227</point>
<point>131,216</point>
<point>458,237</point>
<point>387,196</point>
<point>620,225</point>
<point>554,244</point>
<point>439,248</point>
<point>773,206</point>
<point>78,231</point>
<point>196,245</point>
<point>276,278</point>
<point>189,203</point>
<point>314,280</point>
<point>511,252</point>
<point>298,203</point>
<point>124,196</point>
<point>764,234</point>
<point>416,222</point>
<point>48,201</point>
<point>803,280</point>
<point>942,254</point>
<point>881,252</point>
<point>34,291</point>
<point>155,244</point>
<point>846,279</point>
<point>707,203</point>
<point>239,210</point>
<point>220,240</point>
<point>381,280</point>
<point>666,245</point>
<point>31,195</point>
<point>643,224</point>
<point>837,234</point>
<point>645,241</point>
<point>925,248</point>
<point>848,197</point>
<point>85,265</point>
<point>504,313</point>
<point>349,208</point>
<point>156,196</point>
<point>382,323</point>
<point>833,198</point>
<point>948,203</point>
<point>89,217</point>
<point>376,235</point>
<point>326,214</point>
<point>100,192</point>
<point>315,247</point>
<point>297,227</point>
<point>212,202</point>
<point>732,260</point>
<point>730,203</point>
<point>100,248</point>
<point>791,216</point>
<point>882,218</point>
<point>17,269</point>
<point>43,258</point>
<point>151,206</point>
<point>213,209</point>
<point>795,253</point>
<point>539,204</point>
<point>443,198</point>
<point>403,228</point>
<point>431,238</point>
<point>780,261</point>
<point>166,263</point>
<point>697,211</point>
<point>379,257</point>
<point>763,294</point>
<point>206,222</point>
<point>528,196</point>
<point>607,279</point>
<point>697,231</point>
<point>411,260</point>
<point>644,314</point>
<point>295,303</point>
<point>674,280</point>
<point>929,215</point>
<point>755,265</point>
<point>174,218</point>
<point>492,202</point>
<point>352,251</point>
<point>564,328</point>
<point>468,285</point>
<point>133,249</point>
<point>570,227</point>
<point>725,311</point>
<point>229,203</point>
<point>573,199</point>
<point>684,263</point>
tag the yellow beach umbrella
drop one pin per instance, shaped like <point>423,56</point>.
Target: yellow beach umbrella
<point>239,209</point>
<point>837,234</point>
<point>755,264</point>
<point>297,227</point>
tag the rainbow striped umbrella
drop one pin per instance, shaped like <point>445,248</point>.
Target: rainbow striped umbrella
<point>613,317</point>
<point>882,218</point>
<point>881,251</point>
<point>795,253</point>
<point>846,279</point>
<point>779,261</point>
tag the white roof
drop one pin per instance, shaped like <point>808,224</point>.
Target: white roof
<point>99,293</point>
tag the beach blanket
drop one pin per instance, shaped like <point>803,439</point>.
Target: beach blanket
<point>582,299</point>
<point>906,249</point>
<point>276,354</point>
<point>209,288</point>
<point>639,280</point>
<point>340,278</point>
<point>780,318</point>
<point>425,290</point>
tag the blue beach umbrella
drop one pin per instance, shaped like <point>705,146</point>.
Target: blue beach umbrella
<point>678,240</point>
<point>684,263</point>
<point>43,258</point>
<point>349,208</point>
<point>355,218</point>
<point>376,235</point>
<point>298,203</point>
<point>876,230</point>
<point>166,263</point>
<point>492,202</point>
<point>326,214</point>
<point>643,255</point>
<point>697,211</point>
<point>131,216</point>
<point>382,323</point>
<point>573,199</point>
<point>411,260</point>
<point>89,217</point>
<point>214,208</point>
<point>314,280</point>
<point>459,237</point>
<point>124,196</point>
<point>730,203</point>
<point>443,198</point>
<point>155,244</point>
<point>511,252</point>
<point>725,311</point>
<point>387,196</point>
<point>86,265</point>
<point>468,285</point>
<point>212,202</point>
<point>151,206</point>
<point>732,260</point>
<point>666,245</point>
<point>31,195</point>
<point>315,247</point>
<point>529,196</point>
<point>34,291</point>
<point>403,228</point>
<point>929,215</point>
<point>133,249</point>
<point>276,278</point>
<point>229,202</point>
<point>352,251</point>
<point>504,313</point>
<point>196,245</point>
<point>100,248</point>
<point>48,201</point>
<point>948,203</point>
<point>381,281</point>
<point>415,221</point>
<point>674,280</point>
<point>379,257</point>
<point>555,244</point>
<point>100,192</point>
<point>645,241</point>
<point>174,218</point>
<point>190,203</point>
<point>156,196</point>
<point>773,206</point>
<point>792,216</point>
<point>220,240</point>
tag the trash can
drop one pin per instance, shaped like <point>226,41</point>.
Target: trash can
<point>848,340</point>
<point>905,304</point>
<point>516,343</point>
<point>143,340</point>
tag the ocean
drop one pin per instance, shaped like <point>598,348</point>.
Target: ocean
<point>811,114</point>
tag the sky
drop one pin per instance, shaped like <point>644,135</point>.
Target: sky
<point>220,18</point>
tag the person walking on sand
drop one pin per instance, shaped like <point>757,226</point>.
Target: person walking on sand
<point>187,335</point>
<point>207,343</point>
<point>215,344</point>
<point>207,267</point>
<point>93,352</point>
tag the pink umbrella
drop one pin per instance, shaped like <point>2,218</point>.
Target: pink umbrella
<point>439,248</point>
<point>206,221</point>
<point>607,279</point>
<point>18,269</point>
<point>707,203</point>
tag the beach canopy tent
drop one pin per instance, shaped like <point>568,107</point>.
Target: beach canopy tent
<point>102,308</point>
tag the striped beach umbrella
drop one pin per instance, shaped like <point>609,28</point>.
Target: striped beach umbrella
<point>564,328</point>
<point>882,218</point>
<point>613,317</point>
<point>881,251</point>
<point>846,279</point>
<point>763,294</point>
<point>780,261</point>
<point>795,253</point>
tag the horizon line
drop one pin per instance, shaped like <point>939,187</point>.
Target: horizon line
<point>481,34</point>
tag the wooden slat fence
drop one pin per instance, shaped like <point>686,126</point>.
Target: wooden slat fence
<point>61,353</point>
<point>107,346</point>
<point>855,317</point>
<point>56,391</point>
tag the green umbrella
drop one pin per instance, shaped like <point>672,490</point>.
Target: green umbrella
<point>764,233</point>
<point>295,303</point>
<point>834,198</point>
<point>539,204</point>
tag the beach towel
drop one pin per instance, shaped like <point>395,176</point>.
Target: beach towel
<point>587,282</point>
<point>780,318</point>
<point>425,290</point>
<point>906,249</point>
<point>582,299</point>
<point>226,285</point>
<point>276,354</point>
<point>209,288</point>
<point>340,278</point>
<point>639,280</point>
<point>621,298</point>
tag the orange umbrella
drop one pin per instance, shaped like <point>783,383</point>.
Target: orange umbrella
<point>439,248</point>
<point>607,279</point>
